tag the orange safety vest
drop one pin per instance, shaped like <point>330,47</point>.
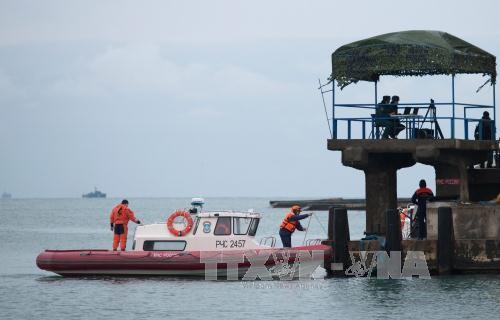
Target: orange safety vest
<point>287,224</point>
<point>425,190</point>
<point>121,214</point>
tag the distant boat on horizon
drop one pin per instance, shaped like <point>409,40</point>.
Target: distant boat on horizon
<point>6,195</point>
<point>94,194</point>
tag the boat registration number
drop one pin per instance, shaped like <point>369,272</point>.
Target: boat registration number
<point>230,243</point>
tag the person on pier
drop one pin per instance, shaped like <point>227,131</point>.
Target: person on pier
<point>290,223</point>
<point>382,116</point>
<point>396,126</point>
<point>420,198</point>
<point>381,108</point>
<point>483,132</point>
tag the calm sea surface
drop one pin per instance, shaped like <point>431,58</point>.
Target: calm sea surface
<point>29,226</point>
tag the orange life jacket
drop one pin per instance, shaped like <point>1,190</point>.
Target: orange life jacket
<point>287,224</point>
<point>121,214</point>
<point>424,191</point>
<point>130,215</point>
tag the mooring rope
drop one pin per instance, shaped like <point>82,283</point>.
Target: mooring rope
<point>307,229</point>
<point>321,225</point>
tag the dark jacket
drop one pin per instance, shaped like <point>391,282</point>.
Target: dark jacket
<point>484,127</point>
<point>420,198</point>
<point>422,194</point>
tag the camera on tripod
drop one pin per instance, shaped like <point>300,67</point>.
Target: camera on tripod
<point>429,133</point>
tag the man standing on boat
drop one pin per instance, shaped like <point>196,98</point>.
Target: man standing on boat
<point>290,223</point>
<point>119,218</point>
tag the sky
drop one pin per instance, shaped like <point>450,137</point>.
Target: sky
<point>199,98</point>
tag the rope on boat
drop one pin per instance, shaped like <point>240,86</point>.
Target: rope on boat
<point>321,225</point>
<point>307,229</point>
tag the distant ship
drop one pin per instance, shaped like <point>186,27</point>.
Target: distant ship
<point>6,195</point>
<point>94,194</point>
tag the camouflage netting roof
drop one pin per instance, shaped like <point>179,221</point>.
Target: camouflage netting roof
<point>409,53</point>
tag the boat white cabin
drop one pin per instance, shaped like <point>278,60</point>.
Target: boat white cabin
<point>210,231</point>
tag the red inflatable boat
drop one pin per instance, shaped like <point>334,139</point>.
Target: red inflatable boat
<point>215,241</point>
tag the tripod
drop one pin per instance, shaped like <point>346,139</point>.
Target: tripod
<point>431,113</point>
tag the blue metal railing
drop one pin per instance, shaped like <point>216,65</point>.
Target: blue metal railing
<point>413,123</point>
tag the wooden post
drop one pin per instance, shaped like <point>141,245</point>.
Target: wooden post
<point>328,262</point>
<point>393,236</point>
<point>341,240</point>
<point>445,240</point>
<point>331,212</point>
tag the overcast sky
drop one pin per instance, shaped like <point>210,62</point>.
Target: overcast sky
<point>198,98</point>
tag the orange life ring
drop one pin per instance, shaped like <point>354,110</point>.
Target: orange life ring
<point>170,223</point>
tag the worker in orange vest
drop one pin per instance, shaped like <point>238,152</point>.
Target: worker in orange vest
<point>119,218</point>
<point>290,223</point>
<point>420,198</point>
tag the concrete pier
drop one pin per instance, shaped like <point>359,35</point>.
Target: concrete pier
<point>380,160</point>
<point>465,237</point>
<point>326,204</point>
<point>355,132</point>
<point>462,238</point>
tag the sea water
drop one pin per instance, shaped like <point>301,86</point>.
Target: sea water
<point>28,226</point>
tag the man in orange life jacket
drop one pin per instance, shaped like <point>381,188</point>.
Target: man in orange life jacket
<point>119,218</point>
<point>420,198</point>
<point>289,224</point>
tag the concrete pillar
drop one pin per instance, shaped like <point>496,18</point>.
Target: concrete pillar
<point>380,181</point>
<point>394,236</point>
<point>341,240</point>
<point>452,179</point>
<point>464,185</point>
<point>381,195</point>
<point>445,240</point>
<point>447,181</point>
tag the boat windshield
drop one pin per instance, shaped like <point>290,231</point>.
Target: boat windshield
<point>253,227</point>
<point>223,226</point>
<point>241,224</point>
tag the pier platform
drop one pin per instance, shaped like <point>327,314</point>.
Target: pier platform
<point>462,238</point>
<point>452,159</point>
<point>454,137</point>
<point>326,204</point>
